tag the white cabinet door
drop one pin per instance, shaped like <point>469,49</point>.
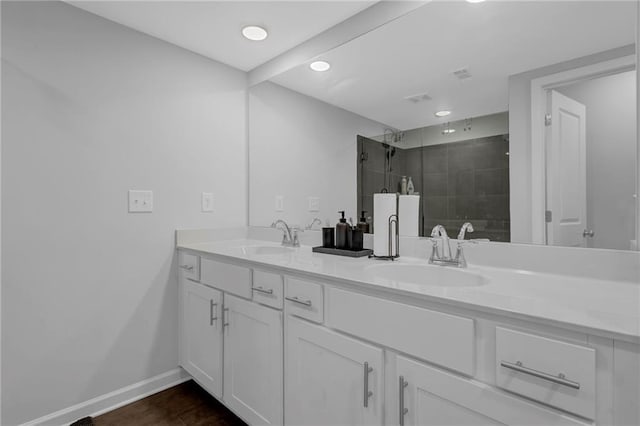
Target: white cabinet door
<point>201,335</point>
<point>327,381</point>
<point>253,366</point>
<point>434,397</point>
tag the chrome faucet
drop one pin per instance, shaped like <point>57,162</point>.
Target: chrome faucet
<point>315,220</point>
<point>290,235</point>
<point>439,233</point>
<point>466,227</point>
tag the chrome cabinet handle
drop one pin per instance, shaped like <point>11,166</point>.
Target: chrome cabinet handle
<point>295,299</point>
<point>187,267</point>
<point>225,318</point>
<point>588,233</point>
<point>263,290</point>
<point>403,411</point>
<point>367,393</point>
<point>211,317</point>
<point>559,379</point>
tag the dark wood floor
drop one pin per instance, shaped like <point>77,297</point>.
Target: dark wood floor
<point>184,405</point>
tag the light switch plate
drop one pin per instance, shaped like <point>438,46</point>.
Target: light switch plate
<point>207,202</point>
<point>279,203</point>
<point>140,201</point>
<point>314,204</point>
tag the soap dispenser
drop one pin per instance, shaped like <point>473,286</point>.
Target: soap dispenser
<point>363,225</point>
<point>341,232</point>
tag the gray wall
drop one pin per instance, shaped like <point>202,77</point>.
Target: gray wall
<point>301,147</point>
<point>611,157</point>
<point>91,109</point>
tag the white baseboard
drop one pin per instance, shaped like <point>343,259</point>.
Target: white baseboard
<point>112,400</point>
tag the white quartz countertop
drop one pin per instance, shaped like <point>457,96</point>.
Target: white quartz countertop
<point>601,307</point>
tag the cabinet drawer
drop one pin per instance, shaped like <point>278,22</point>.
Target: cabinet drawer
<point>443,339</point>
<point>230,278</point>
<point>432,396</point>
<point>551,371</point>
<point>268,289</point>
<point>304,299</point>
<point>189,265</point>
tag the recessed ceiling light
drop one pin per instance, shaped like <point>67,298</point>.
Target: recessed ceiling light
<point>320,66</point>
<point>475,1</point>
<point>442,113</point>
<point>255,33</point>
<point>448,131</point>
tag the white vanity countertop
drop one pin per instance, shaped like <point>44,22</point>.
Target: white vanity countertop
<point>606,308</point>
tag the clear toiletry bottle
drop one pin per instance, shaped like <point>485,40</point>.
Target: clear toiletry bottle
<point>410,188</point>
<point>403,186</point>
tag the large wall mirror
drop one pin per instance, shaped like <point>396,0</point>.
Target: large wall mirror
<point>517,116</point>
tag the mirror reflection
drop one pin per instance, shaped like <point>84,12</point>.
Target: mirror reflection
<point>516,116</point>
<point>460,170</point>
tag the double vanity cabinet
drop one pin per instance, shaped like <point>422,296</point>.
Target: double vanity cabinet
<point>278,346</point>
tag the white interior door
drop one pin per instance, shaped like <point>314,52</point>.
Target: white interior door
<point>566,173</point>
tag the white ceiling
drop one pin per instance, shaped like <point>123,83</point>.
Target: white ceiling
<point>212,28</point>
<point>418,52</point>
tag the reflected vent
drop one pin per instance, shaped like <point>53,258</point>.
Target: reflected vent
<point>462,73</point>
<point>420,97</point>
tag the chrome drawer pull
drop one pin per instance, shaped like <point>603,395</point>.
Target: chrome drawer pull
<point>403,411</point>
<point>559,379</point>
<point>263,290</point>
<point>187,267</point>
<point>225,317</point>
<point>300,301</point>
<point>211,317</point>
<point>367,393</point>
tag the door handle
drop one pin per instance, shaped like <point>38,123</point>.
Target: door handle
<point>403,411</point>
<point>588,233</point>
<point>559,379</point>
<point>225,318</point>
<point>295,299</point>
<point>211,317</point>
<point>263,290</point>
<point>367,393</point>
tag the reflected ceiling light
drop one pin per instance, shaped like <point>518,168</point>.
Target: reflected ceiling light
<point>448,131</point>
<point>320,66</point>
<point>255,33</point>
<point>475,1</point>
<point>442,113</point>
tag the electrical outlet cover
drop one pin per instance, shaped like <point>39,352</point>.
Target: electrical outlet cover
<point>207,202</point>
<point>140,201</point>
<point>279,203</point>
<point>314,204</point>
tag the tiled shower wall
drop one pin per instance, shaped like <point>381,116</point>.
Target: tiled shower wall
<point>459,182</point>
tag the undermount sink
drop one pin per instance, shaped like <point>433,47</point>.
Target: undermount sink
<point>428,275</point>
<point>265,250</point>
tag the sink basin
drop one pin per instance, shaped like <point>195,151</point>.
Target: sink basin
<point>265,250</point>
<point>428,275</point>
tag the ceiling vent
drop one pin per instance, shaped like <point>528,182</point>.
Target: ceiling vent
<point>420,97</point>
<point>462,73</point>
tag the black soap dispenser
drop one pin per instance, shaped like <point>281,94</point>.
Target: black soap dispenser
<point>341,233</point>
<point>362,223</point>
